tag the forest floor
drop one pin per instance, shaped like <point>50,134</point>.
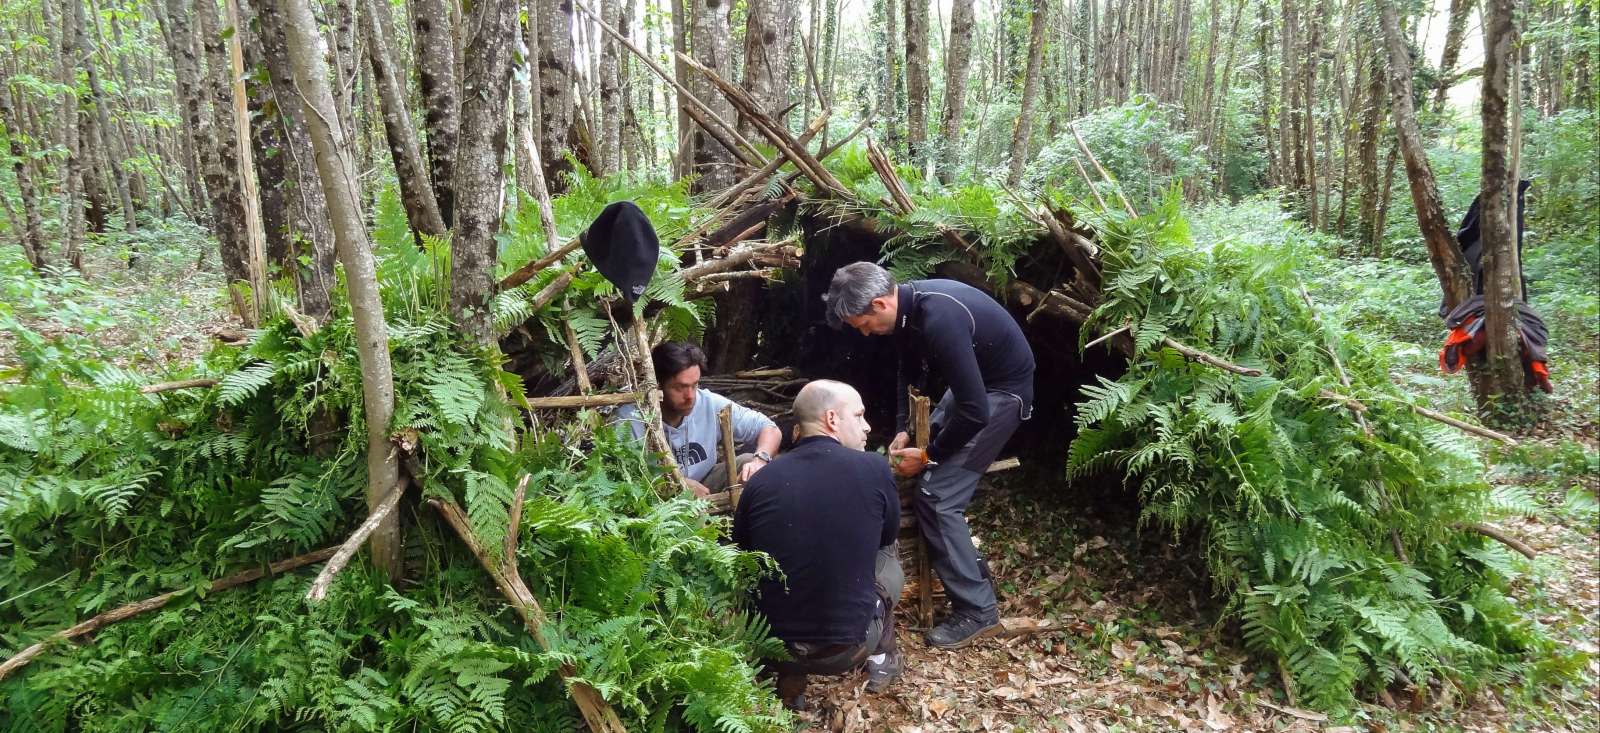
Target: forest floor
<point>1138,647</point>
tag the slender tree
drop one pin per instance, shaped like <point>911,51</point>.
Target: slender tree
<point>713,163</point>
<point>916,76</point>
<point>1502,273</point>
<point>556,85</point>
<point>1022,129</point>
<point>957,63</point>
<point>434,48</point>
<point>422,208</point>
<point>337,173</point>
<point>30,234</point>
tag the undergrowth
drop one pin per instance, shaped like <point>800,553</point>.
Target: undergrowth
<point>109,495</point>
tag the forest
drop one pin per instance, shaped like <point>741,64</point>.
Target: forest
<point>306,376</point>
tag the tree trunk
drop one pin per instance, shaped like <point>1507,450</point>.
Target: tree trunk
<point>185,84</point>
<point>72,172</point>
<point>136,182</point>
<point>342,38</point>
<point>1023,127</point>
<point>479,181</point>
<point>608,134</point>
<point>524,106</point>
<point>422,209</point>
<point>892,105</point>
<point>97,204</point>
<point>433,45</point>
<point>1448,264</point>
<point>1502,385</point>
<point>1371,124</point>
<point>338,176</point>
<point>267,143</point>
<point>30,233</point>
<point>682,148</point>
<point>223,168</point>
<point>556,84</point>
<point>916,78</point>
<point>310,233</point>
<point>1460,12</point>
<point>957,62</point>
<point>116,157</point>
<point>710,43</point>
<point>768,57</point>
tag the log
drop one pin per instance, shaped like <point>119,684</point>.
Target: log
<point>180,384</point>
<point>581,401</point>
<point>124,612</point>
<point>772,254</point>
<point>386,505</point>
<point>921,436</point>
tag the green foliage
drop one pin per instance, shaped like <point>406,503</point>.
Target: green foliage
<point>1301,509</point>
<point>108,495</point>
<point>1141,145</point>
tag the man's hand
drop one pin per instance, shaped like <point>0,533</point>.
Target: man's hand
<point>749,469</point>
<point>901,440</point>
<point>698,488</point>
<point>908,462</point>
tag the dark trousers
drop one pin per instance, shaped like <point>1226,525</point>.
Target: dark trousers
<point>835,659</point>
<point>941,504</point>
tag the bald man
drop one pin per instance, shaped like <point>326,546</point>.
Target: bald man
<point>828,513</point>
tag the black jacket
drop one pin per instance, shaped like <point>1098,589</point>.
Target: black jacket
<point>973,342</point>
<point>821,511</point>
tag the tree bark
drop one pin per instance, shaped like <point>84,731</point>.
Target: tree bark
<point>1502,385</point>
<point>267,143</point>
<point>422,208</point>
<point>310,233</point>
<point>30,233</point>
<point>1023,128</point>
<point>556,83</point>
<point>608,133</point>
<point>338,176</point>
<point>713,163</point>
<point>1371,124</point>
<point>185,87</point>
<point>916,78</point>
<point>1443,252</point>
<point>479,181</point>
<point>893,102</point>
<point>957,64</point>
<point>223,183</point>
<point>72,171</point>
<point>525,106</point>
<point>433,46</point>
<point>1460,12</point>
<point>97,207</point>
<point>116,157</point>
<point>768,58</point>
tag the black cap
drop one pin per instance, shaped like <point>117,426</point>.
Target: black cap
<point>623,247</point>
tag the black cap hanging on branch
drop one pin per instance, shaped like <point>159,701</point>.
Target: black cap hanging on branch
<point>623,247</point>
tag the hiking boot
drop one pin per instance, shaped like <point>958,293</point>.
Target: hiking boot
<point>961,629</point>
<point>882,674</point>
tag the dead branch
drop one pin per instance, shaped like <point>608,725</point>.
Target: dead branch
<point>180,384</point>
<point>581,401</point>
<point>526,272</point>
<point>1463,425</point>
<point>769,254</point>
<point>1004,464</point>
<point>778,373</point>
<point>1087,153</point>
<point>596,712</point>
<point>580,370</point>
<point>122,613</point>
<point>514,524</point>
<point>319,587</point>
<point>1194,354</point>
<point>548,293</point>
<point>1501,536</point>
<point>774,132</point>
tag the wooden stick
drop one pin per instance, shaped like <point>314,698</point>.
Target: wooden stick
<point>1090,183</point>
<point>581,401</point>
<point>1107,336</point>
<point>591,705</point>
<point>702,114</point>
<point>650,405</point>
<point>1462,425</point>
<point>734,192</point>
<point>776,373</point>
<point>526,272</point>
<point>180,384</point>
<point>130,610</point>
<point>725,427</point>
<point>1096,162</point>
<point>920,406</point>
<point>779,136</point>
<point>514,524</point>
<point>548,293</point>
<point>1501,536</point>
<point>1197,355</point>
<point>580,368</point>
<point>1004,464</point>
<point>386,505</point>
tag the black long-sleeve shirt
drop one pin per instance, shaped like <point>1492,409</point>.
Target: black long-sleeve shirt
<point>976,345</point>
<point>821,511</point>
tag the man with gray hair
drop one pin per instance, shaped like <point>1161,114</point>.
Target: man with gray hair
<point>828,513</point>
<point>988,365</point>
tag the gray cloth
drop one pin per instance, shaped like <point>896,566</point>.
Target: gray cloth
<point>695,440</point>
<point>941,504</point>
<point>716,480</point>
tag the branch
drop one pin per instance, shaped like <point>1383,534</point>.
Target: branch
<point>1208,359</point>
<point>122,613</point>
<point>580,401</point>
<point>1463,425</point>
<point>1499,535</point>
<point>180,384</point>
<point>514,524</point>
<point>319,587</point>
<point>526,272</point>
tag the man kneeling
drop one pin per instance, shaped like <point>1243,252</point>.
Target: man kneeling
<point>689,415</point>
<point>828,513</point>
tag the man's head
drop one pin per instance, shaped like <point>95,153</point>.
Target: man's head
<point>834,409</point>
<point>863,297</point>
<point>678,365</point>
